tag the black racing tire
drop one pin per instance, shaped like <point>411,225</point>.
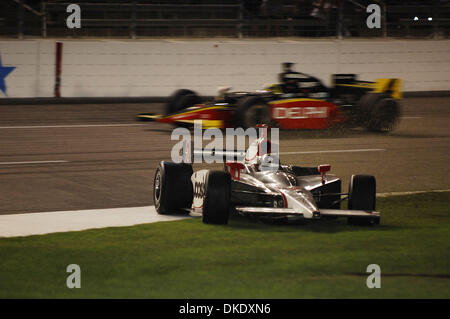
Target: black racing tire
<point>366,105</point>
<point>252,110</point>
<point>384,116</point>
<point>176,102</point>
<point>362,191</point>
<point>186,101</point>
<point>172,188</point>
<point>216,204</point>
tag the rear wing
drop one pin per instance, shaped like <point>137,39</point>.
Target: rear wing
<point>350,82</point>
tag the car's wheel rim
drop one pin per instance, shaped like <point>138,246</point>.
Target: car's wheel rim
<point>157,186</point>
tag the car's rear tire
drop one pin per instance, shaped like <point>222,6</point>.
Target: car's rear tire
<point>362,190</point>
<point>378,112</point>
<point>178,101</point>
<point>384,116</point>
<point>172,188</point>
<point>366,104</point>
<point>251,111</point>
<point>216,204</point>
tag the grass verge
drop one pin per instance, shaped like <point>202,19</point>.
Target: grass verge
<point>188,259</point>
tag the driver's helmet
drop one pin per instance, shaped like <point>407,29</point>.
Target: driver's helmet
<point>286,66</point>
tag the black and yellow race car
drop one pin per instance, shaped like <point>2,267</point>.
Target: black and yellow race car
<point>299,101</point>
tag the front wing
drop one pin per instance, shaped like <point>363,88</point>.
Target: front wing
<point>322,212</point>
<point>211,116</point>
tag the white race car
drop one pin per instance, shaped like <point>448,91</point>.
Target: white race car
<point>250,187</point>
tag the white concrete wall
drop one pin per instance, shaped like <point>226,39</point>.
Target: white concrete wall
<point>34,73</point>
<point>158,67</point>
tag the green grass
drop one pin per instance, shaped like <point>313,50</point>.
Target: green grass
<point>188,259</point>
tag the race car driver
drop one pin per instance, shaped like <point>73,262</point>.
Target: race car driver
<point>289,78</point>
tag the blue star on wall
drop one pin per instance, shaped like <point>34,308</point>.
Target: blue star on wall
<point>4,71</point>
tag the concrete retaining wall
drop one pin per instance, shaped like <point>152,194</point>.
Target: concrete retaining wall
<point>158,67</point>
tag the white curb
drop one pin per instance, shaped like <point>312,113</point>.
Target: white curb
<point>63,221</point>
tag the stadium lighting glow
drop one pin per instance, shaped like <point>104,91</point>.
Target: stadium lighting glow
<point>430,18</point>
<point>416,18</point>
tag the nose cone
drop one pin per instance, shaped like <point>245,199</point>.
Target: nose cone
<point>302,201</point>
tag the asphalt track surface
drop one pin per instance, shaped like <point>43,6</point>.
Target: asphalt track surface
<point>75,157</point>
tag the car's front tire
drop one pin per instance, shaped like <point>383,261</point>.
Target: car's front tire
<point>362,191</point>
<point>216,204</point>
<point>172,187</point>
<point>251,111</point>
<point>180,100</point>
